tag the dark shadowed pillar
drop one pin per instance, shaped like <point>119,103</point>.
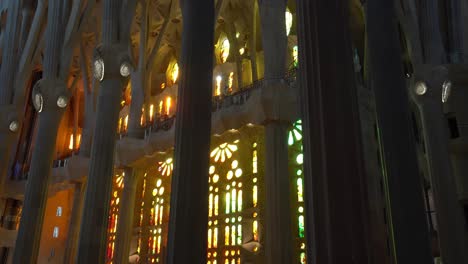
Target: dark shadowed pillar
<point>110,67</point>
<point>187,241</point>
<point>406,216</point>
<point>50,96</point>
<point>278,234</point>
<point>335,197</point>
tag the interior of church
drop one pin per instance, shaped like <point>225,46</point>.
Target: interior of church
<point>233,131</point>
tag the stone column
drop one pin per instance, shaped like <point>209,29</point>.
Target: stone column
<point>279,246</point>
<point>400,164</point>
<point>126,213</point>
<point>431,38</point>
<point>278,235</point>
<point>7,73</point>
<point>109,60</point>
<point>189,194</point>
<point>456,32</point>
<point>450,215</point>
<point>74,226</point>
<point>50,97</point>
<point>335,188</point>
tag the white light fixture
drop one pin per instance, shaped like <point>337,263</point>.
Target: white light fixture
<point>38,102</point>
<point>446,89</point>
<point>420,88</point>
<point>14,126</point>
<point>62,101</point>
<point>98,69</point>
<point>125,69</point>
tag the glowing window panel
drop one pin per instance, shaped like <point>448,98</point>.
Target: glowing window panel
<point>166,167</point>
<point>216,205</point>
<point>219,79</point>
<point>215,238</point>
<point>209,238</point>
<point>301,226</point>
<point>300,190</point>
<point>255,162</point>
<point>226,235</point>
<point>224,51</point>
<point>223,152</point>
<point>230,81</point>
<point>234,199</point>
<point>289,21</point>
<point>239,201</point>
<point>295,56</point>
<point>255,195</point>
<point>255,230</point>
<point>175,73</point>
<point>210,205</point>
<point>168,105</point>
<point>228,202</point>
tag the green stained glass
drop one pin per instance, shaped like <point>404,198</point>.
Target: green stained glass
<point>301,226</point>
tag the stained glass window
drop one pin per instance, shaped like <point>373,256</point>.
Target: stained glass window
<point>296,159</point>
<point>114,214</point>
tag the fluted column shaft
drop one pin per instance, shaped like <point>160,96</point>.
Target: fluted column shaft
<point>7,73</point>
<point>9,56</point>
<point>126,213</point>
<point>187,240</point>
<point>93,234</point>
<point>279,246</point>
<point>74,226</point>
<point>29,234</point>
<point>278,236</point>
<point>407,215</point>
<point>456,31</point>
<point>335,197</point>
<point>451,224</point>
<point>431,38</point>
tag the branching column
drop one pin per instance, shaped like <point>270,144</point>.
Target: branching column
<point>278,221</point>
<point>335,196</point>
<point>126,213</point>
<point>187,241</point>
<point>451,223</point>
<point>111,65</point>
<point>7,73</point>
<point>50,97</point>
<point>407,218</point>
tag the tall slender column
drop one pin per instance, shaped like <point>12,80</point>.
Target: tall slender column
<point>126,213</point>
<point>406,216</point>
<point>7,73</point>
<point>335,196</point>
<point>50,97</point>
<point>189,195</point>
<point>456,31</point>
<point>74,226</point>
<point>453,235</point>
<point>109,62</point>
<point>278,235</point>
<point>431,37</point>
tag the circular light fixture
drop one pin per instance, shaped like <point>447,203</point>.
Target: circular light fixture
<point>14,126</point>
<point>98,69</point>
<point>125,69</point>
<point>446,89</point>
<point>420,88</point>
<point>38,102</point>
<point>62,101</point>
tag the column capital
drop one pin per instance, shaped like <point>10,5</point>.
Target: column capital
<point>112,61</point>
<point>50,95</point>
<point>9,121</point>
